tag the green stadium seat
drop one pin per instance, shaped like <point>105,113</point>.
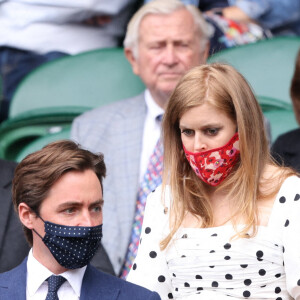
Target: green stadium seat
<point>281,122</point>
<point>55,93</point>
<point>40,142</point>
<point>89,79</point>
<point>268,65</point>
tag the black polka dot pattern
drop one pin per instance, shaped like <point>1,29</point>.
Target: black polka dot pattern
<point>282,199</point>
<point>228,276</point>
<point>152,254</point>
<point>227,246</point>
<point>247,282</point>
<point>211,260</point>
<point>262,272</point>
<point>246,294</point>
<point>277,290</point>
<point>259,254</point>
<point>147,230</point>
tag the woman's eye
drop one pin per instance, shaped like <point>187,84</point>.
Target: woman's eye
<point>187,132</point>
<point>212,131</point>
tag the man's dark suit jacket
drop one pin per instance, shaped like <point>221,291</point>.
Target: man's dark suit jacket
<point>13,245</point>
<point>95,285</point>
<point>286,149</point>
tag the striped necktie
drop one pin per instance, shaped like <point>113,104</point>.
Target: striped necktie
<point>151,180</point>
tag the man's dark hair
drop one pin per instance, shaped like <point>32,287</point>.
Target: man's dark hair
<point>39,171</point>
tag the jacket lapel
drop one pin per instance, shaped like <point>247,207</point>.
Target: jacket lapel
<point>13,285</point>
<point>96,285</point>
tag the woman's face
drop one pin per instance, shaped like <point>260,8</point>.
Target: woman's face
<point>204,128</point>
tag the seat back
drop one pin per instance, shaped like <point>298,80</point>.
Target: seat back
<point>89,80</point>
<point>281,121</point>
<point>42,141</point>
<point>268,65</point>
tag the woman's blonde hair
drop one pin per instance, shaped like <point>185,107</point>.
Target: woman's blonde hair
<point>223,87</point>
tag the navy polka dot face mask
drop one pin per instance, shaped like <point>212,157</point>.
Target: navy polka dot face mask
<point>72,246</point>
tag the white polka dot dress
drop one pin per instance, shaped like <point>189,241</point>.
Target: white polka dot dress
<point>205,263</point>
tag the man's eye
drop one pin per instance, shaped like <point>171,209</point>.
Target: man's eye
<point>157,46</point>
<point>69,210</point>
<point>97,208</point>
<point>184,45</point>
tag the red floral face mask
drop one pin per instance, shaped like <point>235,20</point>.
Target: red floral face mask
<point>214,165</point>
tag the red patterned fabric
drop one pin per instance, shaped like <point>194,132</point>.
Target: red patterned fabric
<point>214,165</point>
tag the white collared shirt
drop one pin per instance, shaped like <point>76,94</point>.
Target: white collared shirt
<point>151,132</point>
<point>37,286</point>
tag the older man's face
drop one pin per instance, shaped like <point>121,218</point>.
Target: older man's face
<point>168,47</point>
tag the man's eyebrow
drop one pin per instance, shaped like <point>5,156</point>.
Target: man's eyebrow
<point>101,201</point>
<point>75,203</point>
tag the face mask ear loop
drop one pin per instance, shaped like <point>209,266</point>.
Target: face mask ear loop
<point>34,229</point>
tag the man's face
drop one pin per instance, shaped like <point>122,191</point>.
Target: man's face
<point>74,200</point>
<point>168,47</point>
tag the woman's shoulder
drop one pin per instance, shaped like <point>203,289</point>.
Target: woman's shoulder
<point>276,178</point>
<point>290,189</point>
<point>160,197</point>
<point>287,202</point>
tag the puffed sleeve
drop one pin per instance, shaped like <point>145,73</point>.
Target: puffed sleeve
<point>291,236</point>
<point>150,266</point>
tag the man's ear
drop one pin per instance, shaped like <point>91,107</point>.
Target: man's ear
<point>26,215</point>
<point>205,53</point>
<point>132,59</point>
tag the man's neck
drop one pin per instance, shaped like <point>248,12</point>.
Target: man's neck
<point>45,258</point>
<point>161,99</point>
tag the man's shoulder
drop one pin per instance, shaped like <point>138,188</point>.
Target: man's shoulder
<point>127,290</point>
<point>289,141</point>
<point>9,277</point>
<point>125,107</point>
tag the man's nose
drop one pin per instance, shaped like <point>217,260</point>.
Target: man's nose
<point>170,56</point>
<point>86,219</point>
